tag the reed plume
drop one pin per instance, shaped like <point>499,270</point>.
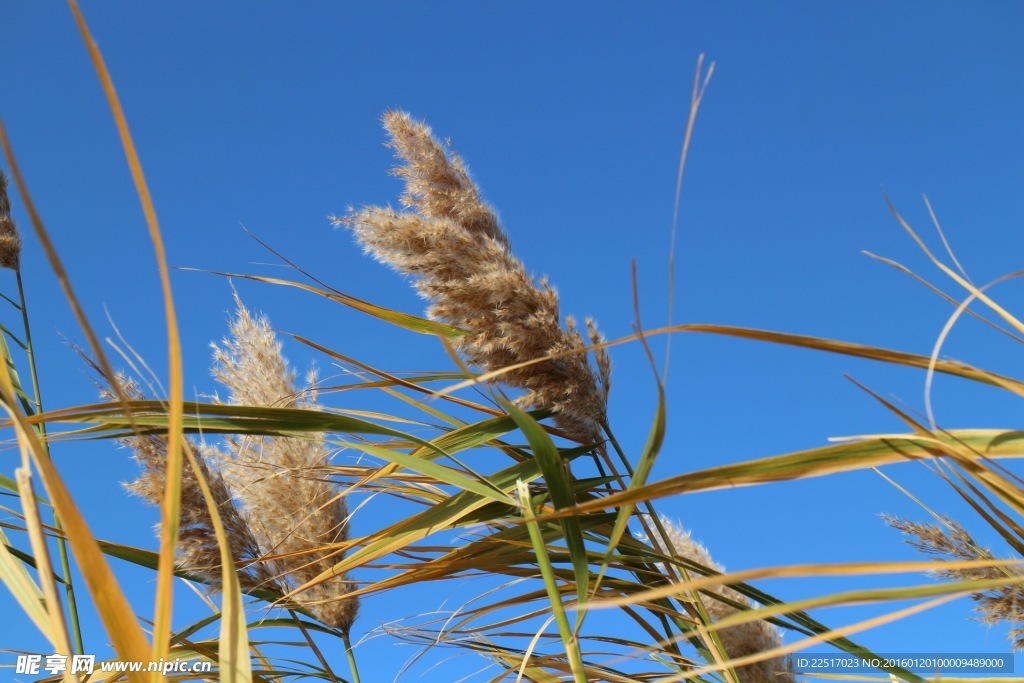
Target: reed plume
<point>741,640</point>
<point>10,238</point>
<point>197,551</point>
<point>297,516</point>
<point>288,518</point>
<point>1002,604</point>
<point>453,242</point>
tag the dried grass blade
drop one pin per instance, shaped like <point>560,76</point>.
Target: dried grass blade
<point>114,610</point>
<point>170,508</point>
<point>389,379</point>
<point>821,570</point>
<point>902,268</point>
<point>838,635</point>
<point>37,538</point>
<point>963,282</point>
<point>857,350</point>
<point>25,591</point>
<point>233,639</point>
<point>404,320</point>
<point>993,516</point>
<point>695,99</point>
<point>955,368</point>
<point>856,455</point>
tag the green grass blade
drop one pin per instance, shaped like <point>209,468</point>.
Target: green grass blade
<point>569,640</point>
<point>560,488</point>
<point>446,475</point>
<point>655,439</point>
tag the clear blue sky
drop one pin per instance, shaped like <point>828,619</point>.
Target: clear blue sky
<point>571,117</point>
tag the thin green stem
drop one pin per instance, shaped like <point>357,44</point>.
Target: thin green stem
<point>547,572</point>
<point>62,544</point>
<point>351,656</point>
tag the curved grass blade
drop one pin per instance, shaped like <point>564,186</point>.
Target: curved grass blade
<point>34,528</point>
<point>170,506</point>
<point>111,604</point>
<point>1007,317</point>
<point>560,487</point>
<point>221,418</point>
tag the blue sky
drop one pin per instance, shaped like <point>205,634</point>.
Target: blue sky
<point>571,117</point>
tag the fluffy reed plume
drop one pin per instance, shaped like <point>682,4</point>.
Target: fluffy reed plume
<point>743,639</point>
<point>1003,604</point>
<point>452,241</point>
<point>10,238</point>
<point>288,516</point>
<point>197,550</point>
<point>295,514</point>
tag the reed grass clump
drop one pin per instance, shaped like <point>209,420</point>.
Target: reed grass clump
<point>553,545</point>
<point>453,243</point>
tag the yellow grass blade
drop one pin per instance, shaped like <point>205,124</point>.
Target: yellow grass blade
<point>1009,318</point>
<point>444,515</point>
<point>34,527</point>
<point>816,462</point>
<point>832,635</point>
<point>51,254</point>
<point>819,570</point>
<point>955,368</point>
<point>234,653</point>
<point>113,608</point>
<point>23,588</point>
<point>233,641</point>
<point>903,269</point>
<point>170,507</point>
<point>410,322</point>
